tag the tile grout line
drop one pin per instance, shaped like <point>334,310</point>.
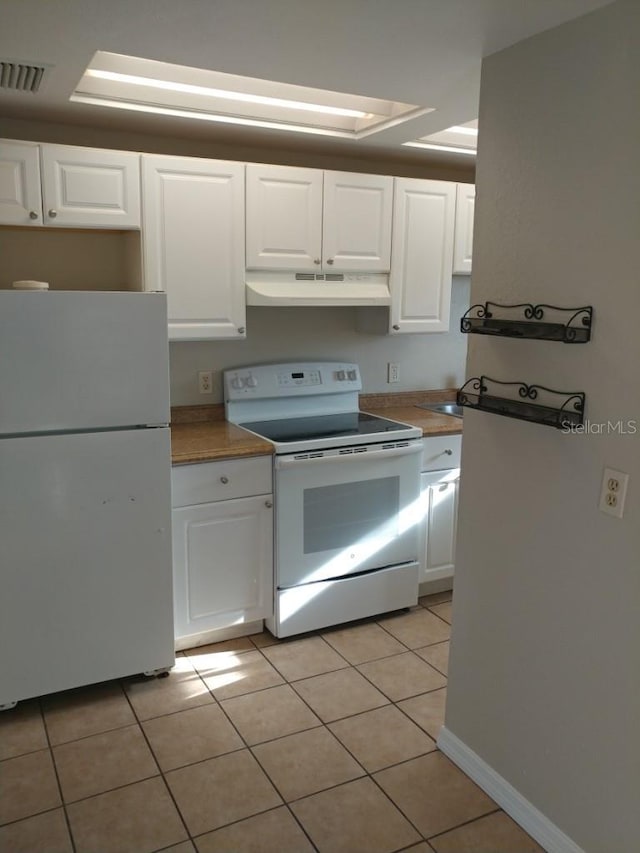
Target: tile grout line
<point>348,665</point>
<point>55,770</point>
<point>279,792</point>
<point>255,758</point>
<point>437,835</point>
<point>160,772</point>
<point>366,773</point>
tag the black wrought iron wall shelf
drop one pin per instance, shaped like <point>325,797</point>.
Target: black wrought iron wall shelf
<point>535,403</point>
<point>539,322</point>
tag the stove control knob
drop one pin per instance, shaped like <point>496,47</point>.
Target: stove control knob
<point>341,375</point>
<point>237,382</point>
<point>353,375</point>
<point>251,382</point>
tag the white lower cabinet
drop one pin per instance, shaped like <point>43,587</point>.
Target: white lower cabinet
<point>222,548</point>
<point>439,488</point>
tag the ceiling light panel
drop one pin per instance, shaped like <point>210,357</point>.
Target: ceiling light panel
<point>460,139</point>
<point>145,85</point>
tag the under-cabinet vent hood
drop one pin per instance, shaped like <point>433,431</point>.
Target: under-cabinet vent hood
<point>270,288</point>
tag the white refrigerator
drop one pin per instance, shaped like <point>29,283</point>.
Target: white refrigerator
<point>85,503</point>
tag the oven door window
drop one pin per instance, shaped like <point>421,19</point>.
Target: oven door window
<point>342,514</point>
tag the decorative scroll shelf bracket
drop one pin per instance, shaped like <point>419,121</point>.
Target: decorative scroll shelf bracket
<point>524,320</point>
<point>561,409</point>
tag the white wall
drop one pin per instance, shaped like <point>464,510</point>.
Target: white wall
<point>545,661</point>
<point>287,334</point>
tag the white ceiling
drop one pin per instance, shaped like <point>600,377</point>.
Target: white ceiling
<point>425,52</point>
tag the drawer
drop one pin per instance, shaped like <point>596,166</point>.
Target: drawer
<point>441,451</point>
<point>220,481</point>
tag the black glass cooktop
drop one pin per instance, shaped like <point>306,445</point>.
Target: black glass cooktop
<point>351,424</point>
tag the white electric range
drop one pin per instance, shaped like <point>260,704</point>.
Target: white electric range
<point>346,493</point>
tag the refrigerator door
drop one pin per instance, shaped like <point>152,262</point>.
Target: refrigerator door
<point>85,551</point>
<point>82,360</point>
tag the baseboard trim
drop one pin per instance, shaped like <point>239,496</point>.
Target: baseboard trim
<point>508,798</point>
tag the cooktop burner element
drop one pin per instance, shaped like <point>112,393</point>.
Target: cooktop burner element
<point>350,425</point>
<point>306,406</point>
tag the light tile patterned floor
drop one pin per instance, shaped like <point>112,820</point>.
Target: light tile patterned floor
<point>324,743</point>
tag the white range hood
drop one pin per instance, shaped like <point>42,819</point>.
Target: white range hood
<point>269,288</point>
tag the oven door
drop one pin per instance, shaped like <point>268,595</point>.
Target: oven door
<point>347,510</point>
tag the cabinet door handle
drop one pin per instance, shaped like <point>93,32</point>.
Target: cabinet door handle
<point>449,452</point>
<point>396,328</point>
<point>329,261</point>
<point>241,330</point>
<point>316,261</point>
<point>224,480</point>
<point>33,214</point>
<point>53,213</point>
<point>268,504</point>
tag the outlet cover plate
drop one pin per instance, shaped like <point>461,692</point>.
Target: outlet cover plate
<point>613,492</point>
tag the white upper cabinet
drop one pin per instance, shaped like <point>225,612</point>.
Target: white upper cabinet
<point>422,256</point>
<point>20,199</point>
<point>356,231</point>
<point>463,244</point>
<point>284,218</point>
<point>193,244</point>
<point>309,220</point>
<point>90,188</point>
<point>68,186</point>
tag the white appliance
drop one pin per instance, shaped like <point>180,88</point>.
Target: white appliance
<point>275,288</point>
<point>346,488</point>
<point>85,508</point>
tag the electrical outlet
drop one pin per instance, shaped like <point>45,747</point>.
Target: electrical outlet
<point>393,372</point>
<point>205,381</point>
<point>613,492</point>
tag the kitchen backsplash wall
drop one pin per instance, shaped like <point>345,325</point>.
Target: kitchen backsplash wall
<point>289,334</point>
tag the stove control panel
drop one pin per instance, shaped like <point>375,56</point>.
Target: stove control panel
<point>297,378</point>
<point>239,381</point>
<point>290,380</point>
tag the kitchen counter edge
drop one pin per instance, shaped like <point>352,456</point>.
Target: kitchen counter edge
<point>201,434</point>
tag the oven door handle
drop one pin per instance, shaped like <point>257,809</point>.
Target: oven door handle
<point>303,459</point>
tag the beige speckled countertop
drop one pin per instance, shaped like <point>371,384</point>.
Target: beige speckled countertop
<point>201,434</point>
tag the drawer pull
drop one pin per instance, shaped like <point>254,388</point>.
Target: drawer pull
<point>268,504</point>
<point>449,452</point>
<point>224,480</point>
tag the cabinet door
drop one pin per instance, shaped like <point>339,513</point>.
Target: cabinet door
<point>422,255</point>
<point>463,242</point>
<point>90,187</point>
<point>284,218</point>
<point>222,564</point>
<point>356,231</point>
<point>193,244</point>
<point>439,502</point>
<point>20,201</point>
